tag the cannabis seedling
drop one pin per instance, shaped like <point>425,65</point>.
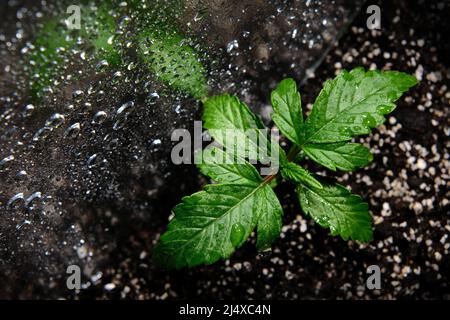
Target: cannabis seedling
<point>210,224</point>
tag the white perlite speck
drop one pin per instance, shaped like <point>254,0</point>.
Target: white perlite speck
<point>110,286</point>
<point>421,164</point>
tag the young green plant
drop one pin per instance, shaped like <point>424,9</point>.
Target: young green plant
<point>209,225</point>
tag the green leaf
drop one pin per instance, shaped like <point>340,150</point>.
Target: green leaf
<point>230,120</point>
<point>353,103</point>
<point>228,112</point>
<point>287,108</point>
<point>210,224</point>
<point>173,61</point>
<point>336,208</point>
<point>222,167</point>
<point>270,218</point>
<point>343,156</point>
<point>299,157</point>
<point>293,172</point>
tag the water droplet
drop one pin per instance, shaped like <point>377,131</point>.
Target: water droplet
<point>122,114</point>
<point>77,94</point>
<point>156,142</point>
<point>111,143</point>
<point>351,119</point>
<point>323,221</point>
<point>92,161</point>
<point>29,109</point>
<point>99,117</point>
<point>384,109</point>
<point>5,162</point>
<point>237,234</point>
<point>345,131</point>
<point>119,124</point>
<point>131,66</point>
<point>116,77</point>
<point>100,96</point>
<point>102,65</point>
<point>126,108</point>
<point>72,131</point>
<point>22,174</point>
<point>87,106</point>
<point>110,40</point>
<point>20,225</point>
<point>393,96</point>
<point>42,133</point>
<point>15,201</point>
<point>55,120</point>
<point>31,201</point>
<point>152,98</point>
<point>369,120</point>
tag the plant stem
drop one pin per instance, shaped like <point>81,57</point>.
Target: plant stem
<point>292,153</point>
<point>269,178</point>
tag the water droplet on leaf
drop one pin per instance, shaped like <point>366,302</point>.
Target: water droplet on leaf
<point>237,234</point>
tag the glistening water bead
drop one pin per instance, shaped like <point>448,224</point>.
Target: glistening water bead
<point>5,162</point>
